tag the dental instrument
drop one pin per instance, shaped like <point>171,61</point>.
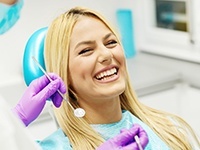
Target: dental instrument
<point>137,140</point>
<point>78,112</point>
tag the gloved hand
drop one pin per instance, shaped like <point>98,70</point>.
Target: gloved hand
<point>125,140</point>
<point>33,100</point>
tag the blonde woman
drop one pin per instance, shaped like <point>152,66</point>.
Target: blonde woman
<point>85,51</point>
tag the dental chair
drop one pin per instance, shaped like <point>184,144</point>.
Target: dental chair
<point>35,48</point>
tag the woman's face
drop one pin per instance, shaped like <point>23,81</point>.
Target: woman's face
<point>96,62</point>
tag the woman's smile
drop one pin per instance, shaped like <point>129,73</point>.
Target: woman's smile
<point>107,74</point>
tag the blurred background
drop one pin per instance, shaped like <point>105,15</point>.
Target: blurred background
<point>162,46</point>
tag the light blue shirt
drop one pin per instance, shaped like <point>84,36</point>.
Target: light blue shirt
<point>9,14</point>
<point>58,140</point>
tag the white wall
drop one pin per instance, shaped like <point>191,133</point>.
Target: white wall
<point>36,14</point>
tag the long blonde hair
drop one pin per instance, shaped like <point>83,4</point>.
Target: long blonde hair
<point>170,128</point>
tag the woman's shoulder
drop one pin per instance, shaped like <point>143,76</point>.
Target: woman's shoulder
<point>57,140</point>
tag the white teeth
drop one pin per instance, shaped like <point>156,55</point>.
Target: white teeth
<point>106,73</point>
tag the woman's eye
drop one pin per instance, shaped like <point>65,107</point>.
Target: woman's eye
<point>111,43</point>
<point>84,51</point>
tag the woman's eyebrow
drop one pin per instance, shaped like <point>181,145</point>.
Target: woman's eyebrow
<point>84,42</point>
<point>91,42</point>
<point>108,35</point>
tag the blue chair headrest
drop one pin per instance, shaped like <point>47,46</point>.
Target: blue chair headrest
<point>34,48</point>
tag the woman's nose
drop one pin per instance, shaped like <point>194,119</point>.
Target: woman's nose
<point>105,55</point>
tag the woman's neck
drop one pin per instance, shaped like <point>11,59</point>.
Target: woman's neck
<point>104,113</point>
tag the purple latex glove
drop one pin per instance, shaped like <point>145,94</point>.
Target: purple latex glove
<point>125,140</point>
<point>33,100</point>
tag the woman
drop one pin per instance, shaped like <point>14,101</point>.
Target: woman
<point>85,51</point>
